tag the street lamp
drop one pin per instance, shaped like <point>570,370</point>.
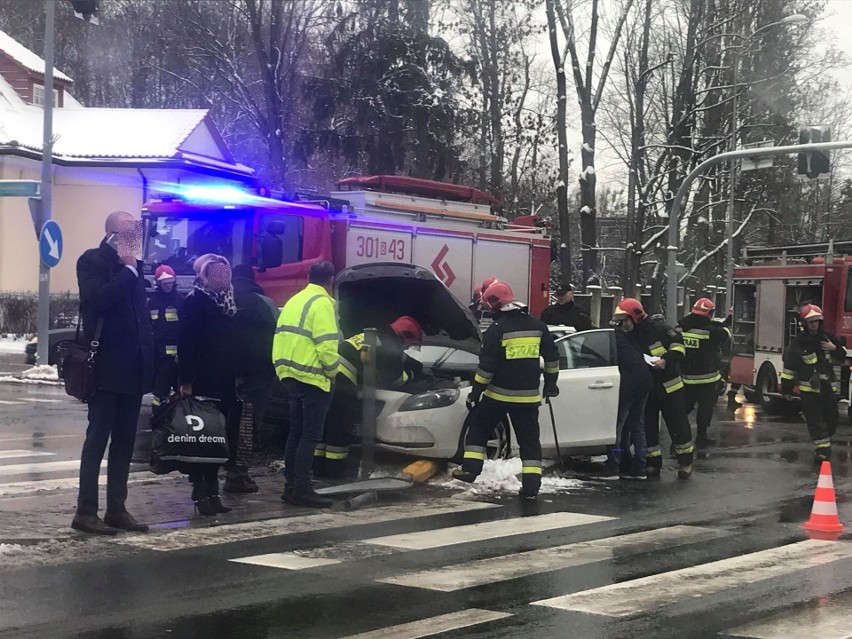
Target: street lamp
<point>796,18</point>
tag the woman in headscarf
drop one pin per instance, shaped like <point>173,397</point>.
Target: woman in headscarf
<point>207,355</point>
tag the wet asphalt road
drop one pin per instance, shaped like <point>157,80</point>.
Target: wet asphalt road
<point>750,494</point>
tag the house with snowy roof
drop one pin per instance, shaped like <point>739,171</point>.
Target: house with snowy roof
<point>103,160</point>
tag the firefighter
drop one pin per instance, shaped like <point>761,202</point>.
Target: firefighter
<point>565,312</point>
<point>810,360</point>
<point>163,307</point>
<point>394,370</point>
<point>475,305</point>
<point>507,381</point>
<point>667,397</point>
<point>703,339</point>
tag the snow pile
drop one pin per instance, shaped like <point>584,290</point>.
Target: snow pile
<point>502,476</point>
<point>43,375</point>
<point>12,345</point>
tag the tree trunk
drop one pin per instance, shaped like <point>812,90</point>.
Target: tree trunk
<point>566,269</point>
<point>588,181</point>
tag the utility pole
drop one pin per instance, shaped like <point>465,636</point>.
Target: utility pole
<point>45,203</point>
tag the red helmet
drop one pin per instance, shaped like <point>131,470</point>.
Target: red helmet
<point>632,308</point>
<point>408,329</point>
<point>704,307</point>
<point>810,311</point>
<point>164,272</point>
<point>498,295</point>
<point>488,281</point>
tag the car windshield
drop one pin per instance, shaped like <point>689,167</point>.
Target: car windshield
<point>179,241</point>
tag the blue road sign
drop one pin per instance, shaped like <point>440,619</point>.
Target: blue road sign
<point>50,244</point>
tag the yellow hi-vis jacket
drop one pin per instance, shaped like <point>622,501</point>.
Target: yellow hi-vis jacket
<point>305,343</point>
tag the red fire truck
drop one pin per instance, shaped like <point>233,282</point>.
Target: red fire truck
<point>768,294</point>
<point>455,231</point>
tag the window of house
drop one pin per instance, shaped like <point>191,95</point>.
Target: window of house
<point>38,95</point>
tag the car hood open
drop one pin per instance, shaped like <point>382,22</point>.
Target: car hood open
<point>376,294</point>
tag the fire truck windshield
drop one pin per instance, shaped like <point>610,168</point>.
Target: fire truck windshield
<point>178,241</point>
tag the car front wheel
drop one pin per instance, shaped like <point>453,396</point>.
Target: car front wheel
<point>499,445</point>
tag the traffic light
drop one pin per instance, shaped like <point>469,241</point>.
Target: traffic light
<point>814,163</point>
<point>86,10</point>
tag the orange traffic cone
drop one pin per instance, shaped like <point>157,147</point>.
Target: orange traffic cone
<point>824,522</point>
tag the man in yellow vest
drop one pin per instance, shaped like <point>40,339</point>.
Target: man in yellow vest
<point>305,356</point>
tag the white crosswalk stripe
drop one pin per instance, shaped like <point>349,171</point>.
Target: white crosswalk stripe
<point>656,591</point>
<point>503,568</point>
<point>434,625</point>
<point>37,468</point>
<point>829,619</point>
<point>12,454</point>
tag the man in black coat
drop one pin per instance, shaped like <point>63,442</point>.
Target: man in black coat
<point>565,312</point>
<point>112,296</point>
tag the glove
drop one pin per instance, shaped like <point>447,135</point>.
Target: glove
<point>472,400</point>
<point>551,390</point>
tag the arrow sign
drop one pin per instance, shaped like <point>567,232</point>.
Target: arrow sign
<point>50,244</point>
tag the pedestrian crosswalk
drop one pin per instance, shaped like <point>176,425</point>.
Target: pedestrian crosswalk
<point>475,556</point>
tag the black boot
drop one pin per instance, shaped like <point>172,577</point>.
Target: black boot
<point>201,498</point>
<point>732,400</point>
<point>307,496</point>
<point>240,485</point>
<point>287,495</point>
<point>217,504</point>
<point>653,467</point>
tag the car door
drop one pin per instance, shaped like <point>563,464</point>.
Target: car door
<point>587,406</point>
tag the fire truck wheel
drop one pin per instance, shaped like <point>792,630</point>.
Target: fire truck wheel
<point>767,385</point>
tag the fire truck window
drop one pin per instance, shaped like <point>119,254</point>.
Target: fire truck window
<point>848,306</point>
<point>291,237</point>
<point>179,241</point>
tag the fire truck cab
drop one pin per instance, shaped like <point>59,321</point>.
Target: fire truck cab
<point>768,294</point>
<point>454,231</point>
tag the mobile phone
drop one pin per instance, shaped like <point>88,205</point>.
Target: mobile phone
<point>112,240</point>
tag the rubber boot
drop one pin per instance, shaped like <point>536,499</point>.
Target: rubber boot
<point>653,466</point>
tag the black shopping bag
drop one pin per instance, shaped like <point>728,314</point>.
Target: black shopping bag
<point>188,430</point>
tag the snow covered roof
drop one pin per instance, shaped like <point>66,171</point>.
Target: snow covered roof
<point>8,96</point>
<point>26,58</point>
<point>115,134</point>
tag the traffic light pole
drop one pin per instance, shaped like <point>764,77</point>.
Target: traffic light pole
<point>43,314</point>
<point>674,213</point>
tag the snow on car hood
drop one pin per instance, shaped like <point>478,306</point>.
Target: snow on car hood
<point>376,294</point>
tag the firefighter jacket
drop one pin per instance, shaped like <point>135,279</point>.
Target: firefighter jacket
<point>807,363</point>
<point>394,368</point>
<point>660,340</point>
<point>509,367</point>
<point>703,339</point>
<point>305,343</point>
<point>163,308</point>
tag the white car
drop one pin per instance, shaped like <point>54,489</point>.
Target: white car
<point>433,423</point>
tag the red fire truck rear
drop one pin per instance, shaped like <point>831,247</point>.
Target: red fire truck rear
<point>449,229</point>
<point>768,295</point>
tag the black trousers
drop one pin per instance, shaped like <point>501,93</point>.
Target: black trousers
<point>112,418</point>
<point>673,408</point>
<point>705,396</point>
<point>524,418</point>
<point>331,455</point>
<point>165,377</point>
<point>820,411</point>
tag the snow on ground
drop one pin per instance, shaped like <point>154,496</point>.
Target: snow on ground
<point>44,375</point>
<point>12,345</point>
<point>501,476</point>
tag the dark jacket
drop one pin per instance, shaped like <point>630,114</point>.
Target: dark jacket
<point>635,372</point>
<point>255,322</point>
<point>110,290</point>
<point>208,348</point>
<point>567,315</point>
<point>807,363</point>
<point>394,368</point>
<point>659,340</point>
<point>703,339</point>
<point>509,365</point>
<point>164,309</point>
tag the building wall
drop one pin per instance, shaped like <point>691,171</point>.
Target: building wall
<point>17,77</point>
<point>82,199</point>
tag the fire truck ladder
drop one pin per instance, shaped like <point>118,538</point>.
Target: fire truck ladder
<point>828,249</point>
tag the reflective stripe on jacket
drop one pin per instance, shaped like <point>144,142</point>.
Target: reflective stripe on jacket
<point>703,340</point>
<point>305,344</point>
<point>664,342</point>
<point>806,363</point>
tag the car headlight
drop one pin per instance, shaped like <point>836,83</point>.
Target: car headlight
<point>432,399</point>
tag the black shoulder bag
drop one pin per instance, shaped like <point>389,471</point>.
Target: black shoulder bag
<point>76,363</point>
